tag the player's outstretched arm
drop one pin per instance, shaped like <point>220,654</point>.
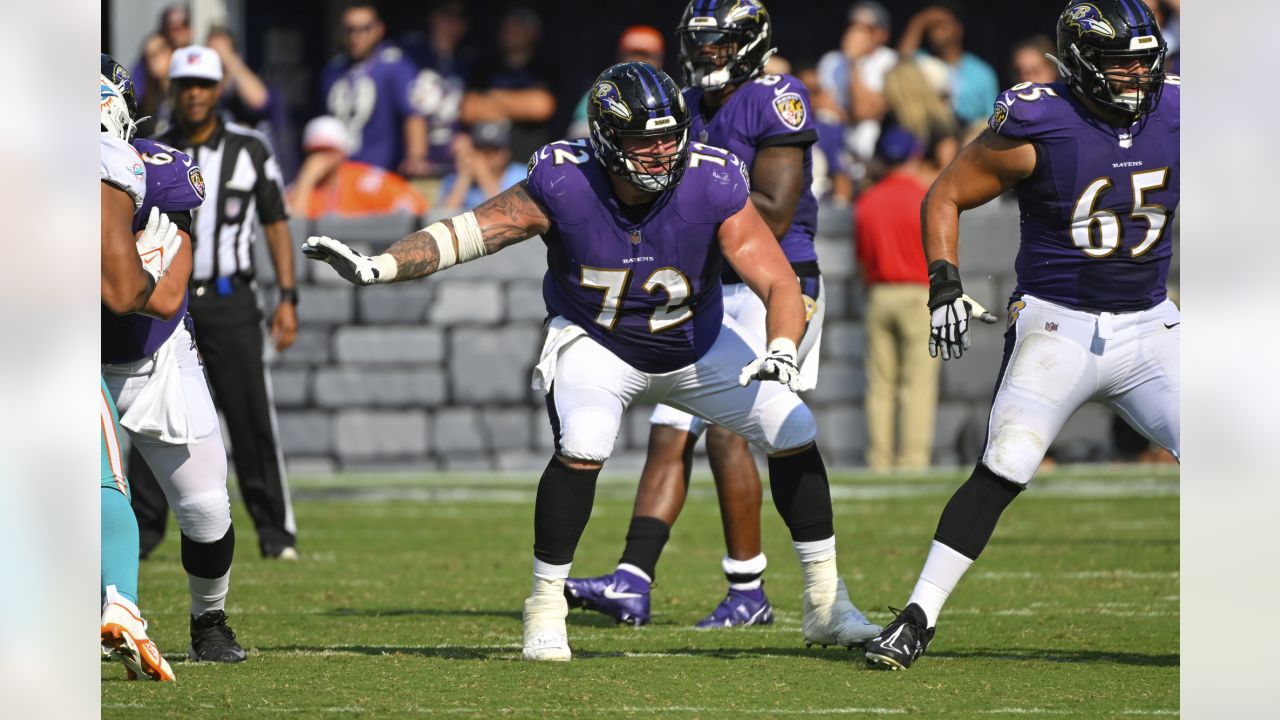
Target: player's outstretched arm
<point>505,219</point>
<point>755,255</point>
<point>983,170</point>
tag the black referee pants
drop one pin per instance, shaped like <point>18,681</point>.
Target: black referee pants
<point>228,332</point>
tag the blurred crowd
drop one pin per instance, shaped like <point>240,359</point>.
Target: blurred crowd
<point>421,120</point>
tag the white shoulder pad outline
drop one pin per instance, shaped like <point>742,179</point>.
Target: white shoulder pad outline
<point>122,166</point>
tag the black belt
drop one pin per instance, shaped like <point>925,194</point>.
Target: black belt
<point>222,286</point>
<point>808,268</point>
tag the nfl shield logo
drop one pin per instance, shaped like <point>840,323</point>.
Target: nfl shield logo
<point>231,208</point>
<point>1051,326</point>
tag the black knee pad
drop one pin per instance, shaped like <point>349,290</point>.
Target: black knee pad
<point>209,560</point>
<point>800,493</point>
<point>973,511</point>
<point>561,512</point>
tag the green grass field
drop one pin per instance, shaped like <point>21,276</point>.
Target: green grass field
<point>407,604</point>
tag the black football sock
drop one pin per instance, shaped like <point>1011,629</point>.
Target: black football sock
<point>561,511</point>
<point>645,539</point>
<point>973,511</point>
<point>800,493</point>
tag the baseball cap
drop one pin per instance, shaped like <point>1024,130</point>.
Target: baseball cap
<point>195,61</point>
<point>325,133</point>
<point>869,12</point>
<point>491,134</point>
<point>897,145</point>
<point>642,39</point>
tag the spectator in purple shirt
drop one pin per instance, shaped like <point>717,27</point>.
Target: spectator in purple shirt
<point>369,89</point>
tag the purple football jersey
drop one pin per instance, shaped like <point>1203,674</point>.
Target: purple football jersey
<point>770,110</point>
<point>648,290</point>
<point>174,184</point>
<point>372,97</point>
<point>1097,212</point>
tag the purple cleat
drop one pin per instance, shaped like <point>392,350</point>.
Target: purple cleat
<point>739,608</point>
<point>621,595</point>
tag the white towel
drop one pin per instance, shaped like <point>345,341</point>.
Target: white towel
<point>560,332</point>
<point>160,410</point>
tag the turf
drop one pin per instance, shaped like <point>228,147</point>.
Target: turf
<point>407,604</point>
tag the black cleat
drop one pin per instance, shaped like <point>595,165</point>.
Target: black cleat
<point>901,642</point>
<point>212,640</point>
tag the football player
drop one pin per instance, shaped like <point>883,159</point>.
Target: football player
<point>765,120</point>
<point>155,378</point>
<point>1094,161</point>
<point>128,286</point>
<point>638,222</point>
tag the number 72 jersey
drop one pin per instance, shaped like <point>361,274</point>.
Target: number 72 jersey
<point>644,283</point>
<point>1097,213</point>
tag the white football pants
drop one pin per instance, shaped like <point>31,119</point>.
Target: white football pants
<point>744,306</point>
<point>592,388</point>
<point>1061,358</point>
<point>192,475</point>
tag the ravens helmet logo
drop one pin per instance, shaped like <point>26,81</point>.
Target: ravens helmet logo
<point>1088,19</point>
<point>606,95</point>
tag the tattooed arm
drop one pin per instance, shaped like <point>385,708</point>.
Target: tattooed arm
<point>502,220</point>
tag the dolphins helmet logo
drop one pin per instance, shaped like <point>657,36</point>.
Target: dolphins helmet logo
<point>606,95</point>
<point>1088,19</point>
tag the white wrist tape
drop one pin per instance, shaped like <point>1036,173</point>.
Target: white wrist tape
<point>470,241</point>
<point>784,345</point>
<point>387,267</point>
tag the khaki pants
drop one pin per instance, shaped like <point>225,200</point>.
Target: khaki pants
<point>900,376</point>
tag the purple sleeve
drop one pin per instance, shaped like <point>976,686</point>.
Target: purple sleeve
<point>785,109</point>
<point>174,182</point>
<point>734,194</point>
<point>556,180</point>
<point>1029,111</point>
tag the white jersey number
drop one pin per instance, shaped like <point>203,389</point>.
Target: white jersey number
<point>614,284</point>
<point>1097,232</point>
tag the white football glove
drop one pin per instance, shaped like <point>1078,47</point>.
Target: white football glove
<point>778,364</point>
<point>158,244</point>
<point>949,326</point>
<point>352,266</point>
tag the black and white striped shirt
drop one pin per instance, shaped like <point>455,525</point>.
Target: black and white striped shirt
<point>244,182</point>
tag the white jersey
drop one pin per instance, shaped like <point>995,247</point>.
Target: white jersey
<point>122,166</point>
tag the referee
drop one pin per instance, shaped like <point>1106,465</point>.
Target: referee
<point>245,182</point>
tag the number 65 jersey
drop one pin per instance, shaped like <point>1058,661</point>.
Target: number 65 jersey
<point>1097,213</point>
<point>643,282</point>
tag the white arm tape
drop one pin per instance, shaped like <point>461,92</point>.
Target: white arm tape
<point>470,240</point>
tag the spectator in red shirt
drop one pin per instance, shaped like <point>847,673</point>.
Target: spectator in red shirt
<point>901,379</point>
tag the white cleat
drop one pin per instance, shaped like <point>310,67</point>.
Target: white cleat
<point>545,635</point>
<point>124,636</point>
<point>831,619</point>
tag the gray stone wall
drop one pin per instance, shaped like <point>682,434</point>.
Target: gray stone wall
<point>434,375</point>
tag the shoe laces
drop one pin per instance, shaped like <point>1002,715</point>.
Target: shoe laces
<point>217,621</point>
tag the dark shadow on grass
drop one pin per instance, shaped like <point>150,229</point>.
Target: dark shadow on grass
<point>459,652</point>
<point>1056,542</point>
<point>1061,656</point>
<point>420,612</point>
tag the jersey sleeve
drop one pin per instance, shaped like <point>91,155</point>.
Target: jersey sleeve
<point>1030,111</point>
<point>122,167</point>
<point>718,185</point>
<point>557,183</point>
<point>786,113</point>
<point>174,181</point>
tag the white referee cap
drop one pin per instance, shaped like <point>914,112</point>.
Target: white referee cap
<point>195,61</point>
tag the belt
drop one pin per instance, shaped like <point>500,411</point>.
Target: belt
<point>221,286</point>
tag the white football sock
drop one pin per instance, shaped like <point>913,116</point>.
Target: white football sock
<point>816,550</point>
<point>942,571</point>
<point>208,594</point>
<point>753,566</point>
<point>821,575</point>
<point>549,579</point>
